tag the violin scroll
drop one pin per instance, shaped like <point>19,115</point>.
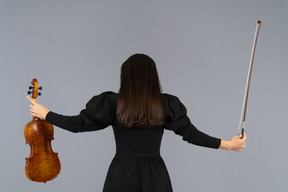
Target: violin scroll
<point>34,89</point>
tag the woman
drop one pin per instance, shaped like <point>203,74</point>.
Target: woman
<point>139,113</point>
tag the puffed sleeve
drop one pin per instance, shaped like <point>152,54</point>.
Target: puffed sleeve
<point>176,119</point>
<point>98,114</point>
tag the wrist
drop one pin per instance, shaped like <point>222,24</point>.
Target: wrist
<point>226,145</point>
<point>45,114</point>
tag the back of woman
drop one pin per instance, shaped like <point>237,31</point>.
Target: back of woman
<point>139,113</point>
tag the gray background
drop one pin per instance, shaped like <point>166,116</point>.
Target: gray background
<point>202,50</point>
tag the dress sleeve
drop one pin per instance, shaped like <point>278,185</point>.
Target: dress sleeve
<point>97,115</point>
<point>176,119</point>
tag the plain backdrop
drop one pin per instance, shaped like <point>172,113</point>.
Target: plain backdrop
<point>202,50</point>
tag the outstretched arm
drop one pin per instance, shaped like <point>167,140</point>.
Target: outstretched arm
<point>95,116</point>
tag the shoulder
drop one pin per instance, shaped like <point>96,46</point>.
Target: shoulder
<point>173,109</point>
<point>168,98</point>
<point>101,107</point>
<point>172,104</point>
<point>105,99</point>
<point>107,96</point>
<point>110,94</point>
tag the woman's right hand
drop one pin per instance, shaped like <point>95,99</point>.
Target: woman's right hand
<point>237,143</point>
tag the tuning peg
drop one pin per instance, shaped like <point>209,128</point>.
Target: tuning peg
<point>40,88</point>
<point>30,87</point>
<point>29,92</point>
<point>39,93</point>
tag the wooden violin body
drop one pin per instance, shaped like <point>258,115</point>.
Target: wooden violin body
<point>43,164</point>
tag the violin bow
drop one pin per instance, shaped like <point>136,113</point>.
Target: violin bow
<point>245,100</point>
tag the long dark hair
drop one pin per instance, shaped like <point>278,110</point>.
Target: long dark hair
<point>139,98</point>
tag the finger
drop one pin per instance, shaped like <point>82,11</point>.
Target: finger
<point>31,100</point>
<point>245,136</point>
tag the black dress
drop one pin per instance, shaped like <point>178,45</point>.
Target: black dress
<point>137,165</point>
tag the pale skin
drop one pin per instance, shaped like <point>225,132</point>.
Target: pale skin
<point>237,143</point>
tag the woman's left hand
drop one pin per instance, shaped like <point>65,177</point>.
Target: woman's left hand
<point>37,109</point>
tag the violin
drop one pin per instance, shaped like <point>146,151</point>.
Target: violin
<point>43,164</point>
